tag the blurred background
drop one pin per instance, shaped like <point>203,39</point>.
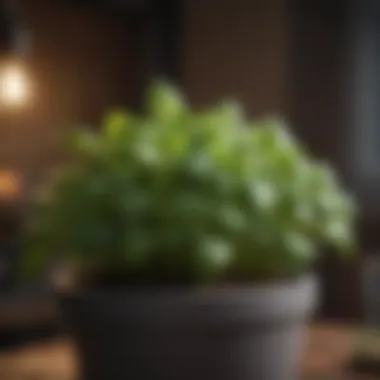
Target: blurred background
<point>314,62</point>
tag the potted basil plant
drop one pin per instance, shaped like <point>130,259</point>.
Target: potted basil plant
<point>189,238</point>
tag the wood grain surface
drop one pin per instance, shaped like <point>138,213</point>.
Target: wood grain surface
<point>328,350</point>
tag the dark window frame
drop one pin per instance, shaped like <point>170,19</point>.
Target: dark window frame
<point>364,146</point>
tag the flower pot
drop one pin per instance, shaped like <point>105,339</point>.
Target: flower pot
<point>213,333</point>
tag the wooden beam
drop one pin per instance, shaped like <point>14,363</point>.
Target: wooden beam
<point>110,5</point>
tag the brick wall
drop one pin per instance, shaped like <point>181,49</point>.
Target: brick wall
<point>237,48</point>
<point>79,60</point>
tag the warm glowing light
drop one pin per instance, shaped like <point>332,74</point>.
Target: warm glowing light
<point>14,85</point>
<point>9,185</point>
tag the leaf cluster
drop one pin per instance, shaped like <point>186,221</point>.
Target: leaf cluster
<point>179,196</point>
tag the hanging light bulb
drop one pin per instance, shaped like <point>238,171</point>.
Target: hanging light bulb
<point>15,87</point>
<point>15,84</point>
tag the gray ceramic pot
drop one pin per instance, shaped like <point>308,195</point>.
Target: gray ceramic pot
<point>224,333</point>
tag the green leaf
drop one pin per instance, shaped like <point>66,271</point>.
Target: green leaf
<point>117,125</point>
<point>215,254</point>
<point>84,143</point>
<point>164,103</point>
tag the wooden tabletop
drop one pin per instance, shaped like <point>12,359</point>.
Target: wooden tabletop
<point>327,352</point>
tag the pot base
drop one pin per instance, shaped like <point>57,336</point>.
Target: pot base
<point>213,334</point>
